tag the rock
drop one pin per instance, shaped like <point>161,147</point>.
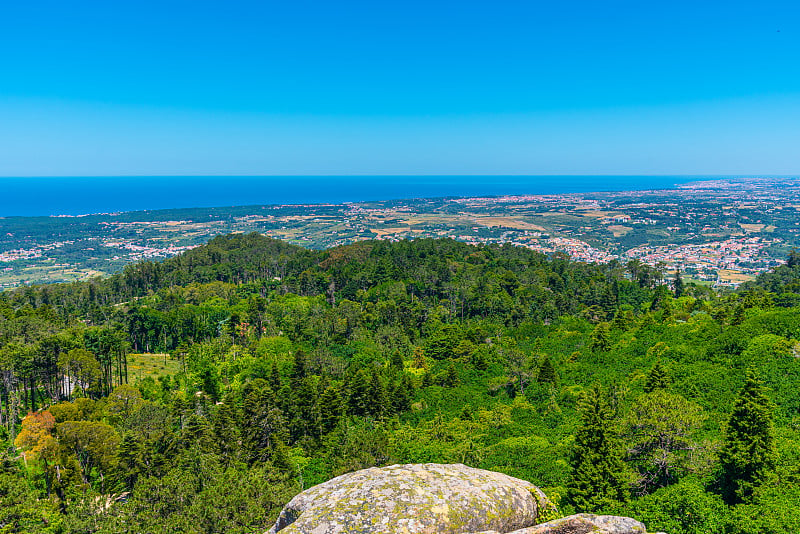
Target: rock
<point>414,498</point>
<point>585,523</point>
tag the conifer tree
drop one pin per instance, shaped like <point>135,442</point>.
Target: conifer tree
<point>661,299</point>
<point>331,407</point>
<point>358,393</point>
<point>209,383</point>
<point>280,459</point>
<point>601,338</point>
<point>400,397</point>
<point>274,377</point>
<point>377,401</point>
<point>677,285</point>
<point>196,432</point>
<point>748,452</point>
<point>607,300</point>
<point>299,370</point>
<point>303,410</point>
<point>794,258</point>
<point>738,315</point>
<point>599,478</point>
<point>620,321</point>
<point>226,432</point>
<point>450,376</point>
<point>547,373</point>
<point>659,430</point>
<point>396,362</point>
<point>657,378</point>
<point>130,459</point>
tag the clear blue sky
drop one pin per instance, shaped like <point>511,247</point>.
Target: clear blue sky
<point>411,87</point>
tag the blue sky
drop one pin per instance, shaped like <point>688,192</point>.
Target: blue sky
<point>138,88</point>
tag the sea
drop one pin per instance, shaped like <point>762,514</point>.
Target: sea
<point>49,196</point>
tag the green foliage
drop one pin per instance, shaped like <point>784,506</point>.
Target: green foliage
<point>748,453</point>
<point>684,508</point>
<point>659,432</point>
<point>21,510</point>
<point>287,367</point>
<point>657,378</point>
<point>599,478</point>
<point>772,509</point>
<point>547,372</point>
<point>601,338</point>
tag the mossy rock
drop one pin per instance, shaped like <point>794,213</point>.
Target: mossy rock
<point>414,498</point>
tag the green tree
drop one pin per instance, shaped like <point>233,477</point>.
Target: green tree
<point>81,368</point>
<point>794,258</point>
<point>331,406</point>
<point>599,478</point>
<point>396,362</point>
<point>547,373</point>
<point>657,378</point>
<point>682,508</point>
<point>94,445</point>
<point>449,377</point>
<point>274,377</point>
<point>748,453</point>
<point>677,284</point>
<point>659,429</point>
<point>601,338</point>
<point>123,402</point>
<point>358,387</point>
<point>130,460</point>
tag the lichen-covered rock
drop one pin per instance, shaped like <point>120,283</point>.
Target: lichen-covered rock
<point>586,523</point>
<point>414,498</point>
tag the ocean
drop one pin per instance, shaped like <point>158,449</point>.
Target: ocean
<point>43,196</point>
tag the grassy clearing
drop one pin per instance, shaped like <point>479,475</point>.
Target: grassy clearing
<point>618,230</point>
<point>734,276</point>
<point>153,365</point>
<point>508,222</point>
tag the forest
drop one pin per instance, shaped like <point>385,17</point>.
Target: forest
<point>612,387</point>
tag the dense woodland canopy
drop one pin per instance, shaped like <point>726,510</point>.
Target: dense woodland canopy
<point>613,389</point>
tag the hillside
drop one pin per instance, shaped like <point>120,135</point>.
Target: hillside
<point>722,232</point>
<point>609,389</point>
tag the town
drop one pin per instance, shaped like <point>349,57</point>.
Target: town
<point>716,232</point>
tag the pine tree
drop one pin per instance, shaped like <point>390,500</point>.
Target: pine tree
<point>130,460</point>
<point>620,321</point>
<point>450,376</point>
<point>601,338</point>
<point>196,433</point>
<point>657,378</point>
<point>400,397</point>
<point>377,399</point>
<point>210,383</point>
<point>748,452</point>
<point>599,478</point>
<point>738,315</point>
<point>396,362</point>
<point>303,408</point>
<point>677,284</point>
<point>607,300</point>
<point>358,393</point>
<point>331,408</point>
<point>794,258</point>
<point>274,377</point>
<point>547,373</point>
<point>661,299</point>
<point>299,370</point>
<point>226,432</point>
<point>280,459</point>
